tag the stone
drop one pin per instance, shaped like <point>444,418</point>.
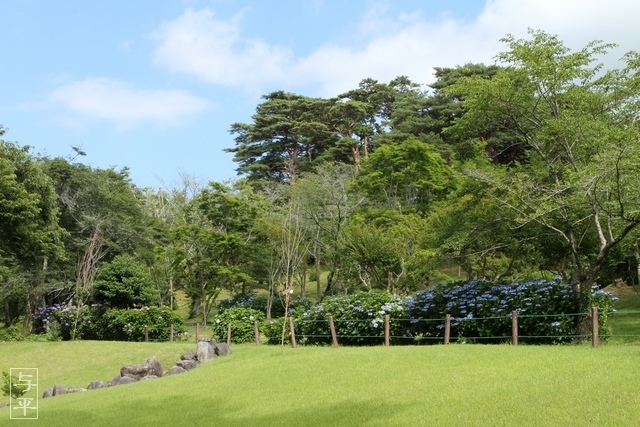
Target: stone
<point>222,349</point>
<point>205,351</point>
<point>48,392</point>
<point>149,377</point>
<point>175,370</point>
<point>187,364</point>
<point>136,371</point>
<point>114,381</point>
<point>156,367</point>
<point>76,390</point>
<point>95,385</point>
<point>189,355</point>
<point>58,390</point>
<point>126,380</point>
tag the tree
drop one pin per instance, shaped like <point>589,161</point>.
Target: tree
<point>30,235</point>
<point>123,283</point>
<point>408,175</point>
<point>579,125</point>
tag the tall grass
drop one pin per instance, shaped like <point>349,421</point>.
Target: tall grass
<point>456,385</point>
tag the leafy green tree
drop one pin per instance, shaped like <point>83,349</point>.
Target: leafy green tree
<point>409,175</point>
<point>579,124</point>
<point>30,235</point>
<point>123,283</point>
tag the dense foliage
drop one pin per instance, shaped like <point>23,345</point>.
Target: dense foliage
<point>242,322</point>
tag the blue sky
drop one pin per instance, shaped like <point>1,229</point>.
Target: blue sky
<point>155,84</point>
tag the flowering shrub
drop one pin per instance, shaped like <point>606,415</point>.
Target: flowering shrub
<point>358,318</point>
<point>547,310</point>
<point>272,330</point>
<point>129,324</point>
<point>94,322</point>
<point>59,320</point>
<point>259,302</point>
<point>241,319</point>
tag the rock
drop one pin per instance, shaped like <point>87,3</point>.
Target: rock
<point>2,405</point>
<point>95,385</point>
<point>76,390</point>
<point>149,377</point>
<point>48,392</point>
<point>187,364</point>
<point>136,371</point>
<point>189,355</point>
<point>58,390</point>
<point>222,349</point>
<point>156,367</point>
<point>175,370</point>
<point>126,380</point>
<point>114,381</point>
<point>211,341</point>
<point>205,351</point>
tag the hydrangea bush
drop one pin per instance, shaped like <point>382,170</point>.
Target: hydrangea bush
<point>242,324</point>
<point>358,319</point>
<point>259,302</point>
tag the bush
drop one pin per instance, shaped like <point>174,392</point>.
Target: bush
<point>129,324</point>
<point>98,323</point>
<point>258,302</point>
<point>242,324</point>
<point>123,283</point>
<point>547,311</point>
<point>358,318</point>
<point>272,330</point>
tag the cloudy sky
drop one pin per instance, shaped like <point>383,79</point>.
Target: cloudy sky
<point>154,85</point>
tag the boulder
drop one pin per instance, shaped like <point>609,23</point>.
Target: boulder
<point>187,364</point>
<point>189,355</point>
<point>126,380</point>
<point>48,392</point>
<point>156,367</point>
<point>114,381</point>
<point>136,371</point>
<point>95,385</point>
<point>222,349</point>
<point>149,377</point>
<point>205,351</point>
<point>58,390</point>
<point>175,370</point>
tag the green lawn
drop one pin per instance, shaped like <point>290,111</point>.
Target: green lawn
<point>456,385</point>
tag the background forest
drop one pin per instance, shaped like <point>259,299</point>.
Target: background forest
<point>506,172</point>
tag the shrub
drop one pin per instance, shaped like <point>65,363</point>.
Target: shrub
<point>129,324</point>
<point>59,320</point>
<point>272,330</point>
<point>547,311</point>
<point>358,318</point>
<point>123,283</point>
<point>242,324</point>
<point>258,302</point>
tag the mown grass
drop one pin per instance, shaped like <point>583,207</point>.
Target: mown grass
<point>456,385</point>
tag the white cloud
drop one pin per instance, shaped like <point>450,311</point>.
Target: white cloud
<point>199,43</point>
<point>212,49</point>
<point>115,101</point>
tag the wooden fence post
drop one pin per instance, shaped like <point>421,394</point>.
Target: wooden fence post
<point>514,327</point>
<point>447,328</point>
<point>146,334</point>
<point>256,332</point>
<point>595,335</point>
<point>171,333</point>
<point>293,332</point>
<point>197,331</point>
<point>334,337</point>
<point>229,334</point>
<point>387,338</point>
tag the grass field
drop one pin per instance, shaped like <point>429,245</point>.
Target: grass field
<point>456,385</point>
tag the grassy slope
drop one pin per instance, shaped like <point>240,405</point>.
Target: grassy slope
<point>435,385</point>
